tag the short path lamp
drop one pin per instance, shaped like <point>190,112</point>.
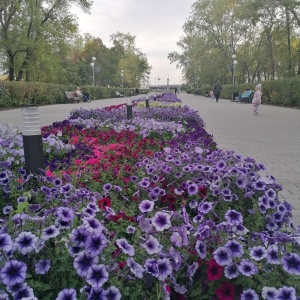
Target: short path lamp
<point>32,140</point>
<point>147,102</point>
<point>129,108</point>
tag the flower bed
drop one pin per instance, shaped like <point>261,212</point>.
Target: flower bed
<point>147,208</point>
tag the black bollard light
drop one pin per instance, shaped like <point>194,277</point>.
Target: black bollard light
<point>147,102</point>
<point>32,140</point>
<point>129,108</point>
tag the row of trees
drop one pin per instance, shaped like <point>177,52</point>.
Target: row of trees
<point>40,41</point>
<point>264,35</point>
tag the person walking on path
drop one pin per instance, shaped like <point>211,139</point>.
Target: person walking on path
<point>256,99</point>
<point>176,91</point>
<point>217,90</point>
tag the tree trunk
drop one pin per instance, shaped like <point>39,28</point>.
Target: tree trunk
<point>11,65</point>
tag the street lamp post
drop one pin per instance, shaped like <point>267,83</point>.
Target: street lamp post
<point>92,64</point>
<point>168,87</point>
<point>198,86</point>
<point>158,79</point>
<point>122,75</point>
<point>234,63</point>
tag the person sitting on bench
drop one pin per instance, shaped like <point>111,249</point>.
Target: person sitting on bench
<point>79,94</point>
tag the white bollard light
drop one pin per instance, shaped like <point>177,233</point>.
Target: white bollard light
<point>32,140</point>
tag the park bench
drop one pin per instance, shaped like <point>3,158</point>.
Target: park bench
<point>118,94</point>
<point>72,97</point>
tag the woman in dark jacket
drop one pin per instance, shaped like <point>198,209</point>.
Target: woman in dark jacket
<point>217,90</point>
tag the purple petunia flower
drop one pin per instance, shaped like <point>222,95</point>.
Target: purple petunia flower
<point>291,263</point>
<point>151,266</point>
<point>95,293</point>
<point>49,233</point>
<point>281,208</point>
<point>57,182</point>
<point>241,181</point>
<point>135,268</point>
<point>161,221</point>
<point>67,294</point>
<point>164,269</point>
<point>125,247</point>
<point>3,295</point>
<point>93,206</point>
<point>130,229</point>
<point>146,206</point>
<point>233,217</point>
<point>235,247</point>
<point>42,266</point>
<point>192,189</point>
<point>260,185</point>
<point>25,242</point>
<point>176,239</point>
<point>152,245</point>
<point>13,272</point>
<point>272,255</point>
<point>145,224</point>
<point>191,270</point>
<point>74,250</point>
<point>95,243</point>
<point>249,294</point>
<point>113,293</point>
<point>6,242</point>
<point>65,189</point>
<point>80,236</point>
<point>221,164</point>
<point>193,204</point>
<point>231,271</point>
<point>198,219</point>
<point>7,209</point>
<point>247,268</point>
<point>144,183</point>
<point>92,224</point>
<point>107,187</point>
<point>96,275</point>
<point>201,249</point>
<point>14,288</point>
<point>269,293</point>
<point>227,196</point>
<point>271,194</point>
<point>286,293</point>
<point>258,253</point>
<point>83,261</point>
<point>65,214</point>
<point>205,208</point>
<point>240,229</point>
<point>222,256</point>
<point>25,292</point>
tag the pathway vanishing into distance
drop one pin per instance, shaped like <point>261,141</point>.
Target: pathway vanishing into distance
<point>273,137</point>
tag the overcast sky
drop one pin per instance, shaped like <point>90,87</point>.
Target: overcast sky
<point>157,26</point>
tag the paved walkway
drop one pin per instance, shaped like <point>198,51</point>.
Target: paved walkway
<point>273,137</point>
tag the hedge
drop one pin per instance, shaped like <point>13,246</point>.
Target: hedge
<point>283,92</point>
<point>18,93</point>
